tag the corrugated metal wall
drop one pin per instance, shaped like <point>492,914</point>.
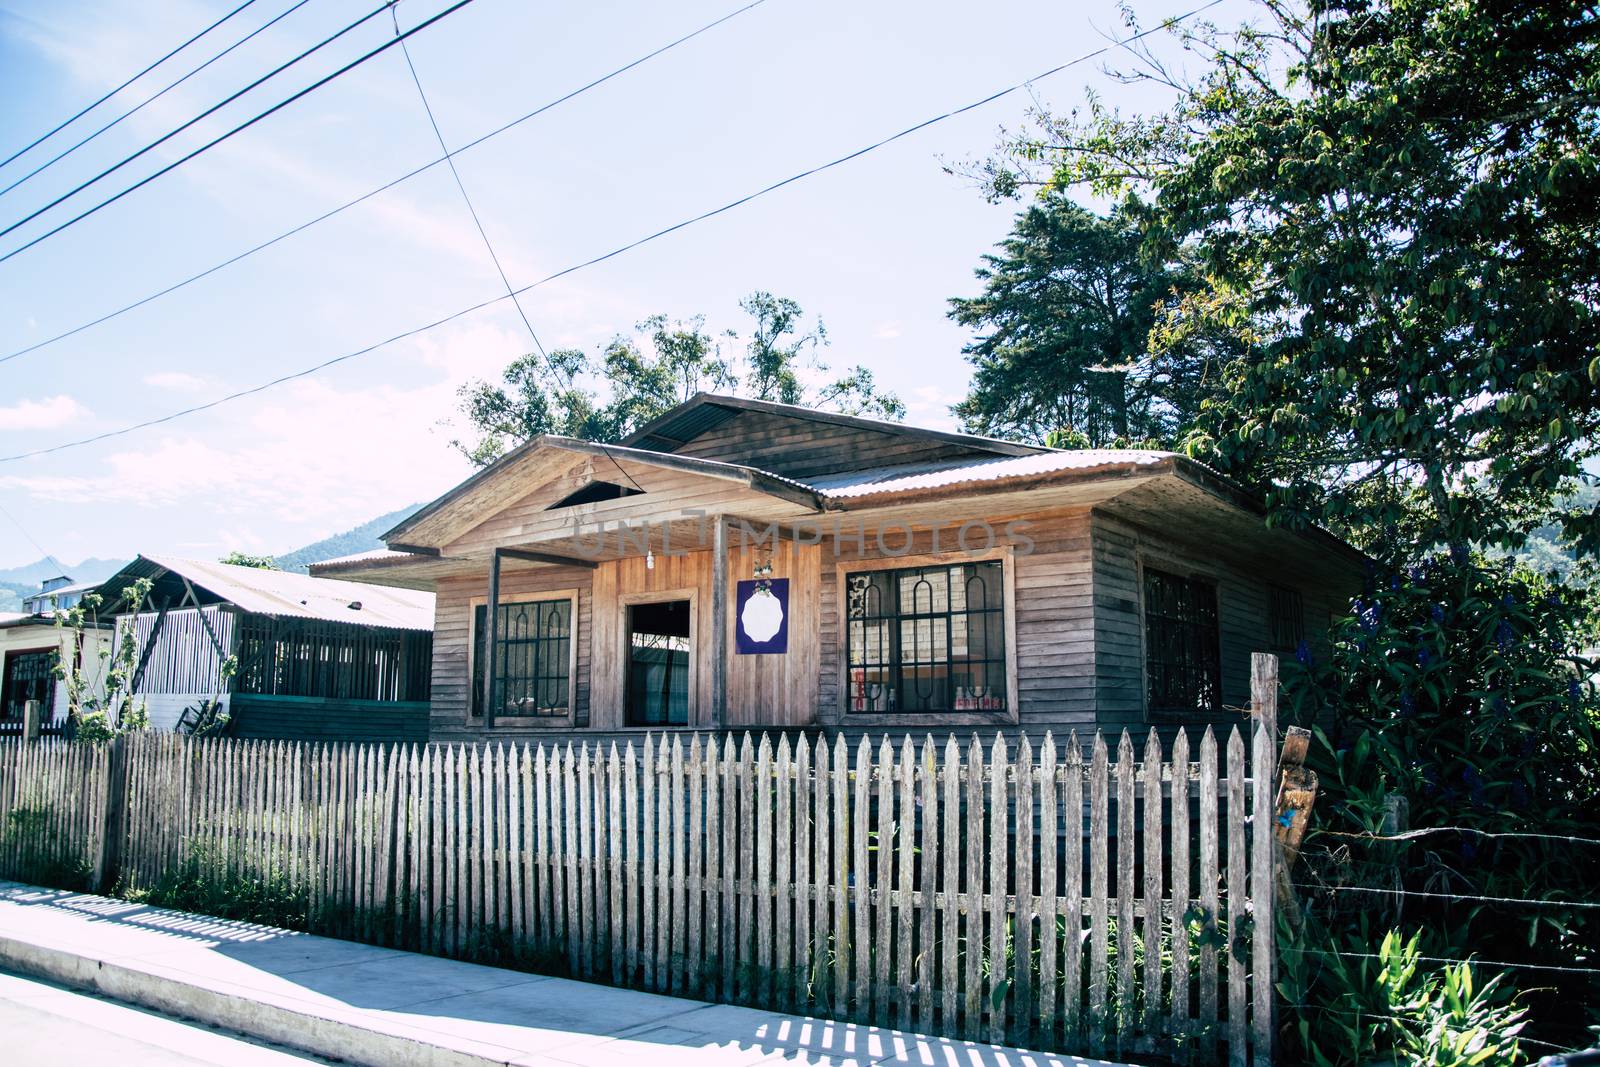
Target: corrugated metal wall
<point>184,659</point>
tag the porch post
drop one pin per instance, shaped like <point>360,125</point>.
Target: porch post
<point>491,638</point>
<point>719,624</point>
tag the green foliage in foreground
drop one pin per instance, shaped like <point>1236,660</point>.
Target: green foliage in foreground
<point>206,886</point>
<point>1461,689</point>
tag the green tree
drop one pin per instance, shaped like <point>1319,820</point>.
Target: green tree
<point>1395,209</point>
<point>1065,316</point>
<point>244,559</point>
<point>662,363</point>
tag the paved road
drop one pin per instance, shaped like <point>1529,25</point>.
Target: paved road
<point>43,1024</point>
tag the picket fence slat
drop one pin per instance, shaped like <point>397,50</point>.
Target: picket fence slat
<point>1028,891</point>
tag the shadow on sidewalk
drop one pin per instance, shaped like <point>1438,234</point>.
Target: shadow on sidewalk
<point>432,991</point>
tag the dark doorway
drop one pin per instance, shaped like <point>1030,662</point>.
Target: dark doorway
<point>29,675</point>
<point>659,646</point>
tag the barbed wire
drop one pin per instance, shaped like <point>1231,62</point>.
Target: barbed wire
<point>1521,1038</point>
<point>1386,891</point>
<point>1411,834</point>
<point>1556,968</point>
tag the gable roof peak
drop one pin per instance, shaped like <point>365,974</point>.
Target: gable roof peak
<point>706,411</point>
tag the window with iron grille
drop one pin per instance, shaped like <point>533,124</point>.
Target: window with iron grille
<point>1183,661</point>
<point>1288,618</point>
<point>927,639</point>
<point>533,659</point>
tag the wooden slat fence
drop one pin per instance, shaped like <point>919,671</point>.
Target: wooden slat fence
<point>1084,896</point>
<point>52,810</point>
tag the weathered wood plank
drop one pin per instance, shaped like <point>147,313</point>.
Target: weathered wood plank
<point>782,918</point>
<point>905,832</point>
<point>1238,982</point>
<point>1049,892</point>
<point>883,884</point>
<point>1211,919</point>
<point>950,933</point>
<point>1151,833</point>
<point>1099,892</point>
<point>1179,1027</point>
<point>1263,855</point>
<point>973,827</point>
<point>861,925</point>
<point>1127,777</point>
<point>1022,1005</point>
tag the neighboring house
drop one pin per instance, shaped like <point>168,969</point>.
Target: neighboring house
<point>31,645</point>
<point>317,659</point>
<point>57,594</point>
<point>911,581</point>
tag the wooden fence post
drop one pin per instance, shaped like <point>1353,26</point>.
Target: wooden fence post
<point>1264,849</point>
<point>107,867</point>
<point>1297,795</point>
<point>31,714</point>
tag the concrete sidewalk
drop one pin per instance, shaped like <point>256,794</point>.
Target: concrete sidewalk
<point>387,1008</point>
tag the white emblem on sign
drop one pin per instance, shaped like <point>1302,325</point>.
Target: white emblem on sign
<point>762,616</point>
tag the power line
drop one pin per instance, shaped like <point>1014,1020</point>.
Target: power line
<point>84,111</point>
<point>164,138</point>
<point>476,221</point>
<point>59,156</point>
<point>415,331</point>
<point>285,235</point>
<point>33,541</point>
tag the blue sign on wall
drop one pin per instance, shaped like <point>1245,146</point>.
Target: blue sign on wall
<point>762,617</point>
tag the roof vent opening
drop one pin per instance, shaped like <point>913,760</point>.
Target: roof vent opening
<point>593,493</point>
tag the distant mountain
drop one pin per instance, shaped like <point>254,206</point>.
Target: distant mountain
<point>90,570</point>
<point>18,582</point>
<point>363,538</point>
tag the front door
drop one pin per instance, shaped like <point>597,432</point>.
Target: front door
<point>29,675</point>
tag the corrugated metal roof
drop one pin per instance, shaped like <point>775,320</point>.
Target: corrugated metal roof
<point>360,557</point>
<point>909,477</point>
<point>288,594</point>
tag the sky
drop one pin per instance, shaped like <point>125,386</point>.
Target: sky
<point>874,247</point>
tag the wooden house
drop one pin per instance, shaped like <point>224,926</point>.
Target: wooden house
<point>738,564</point>
<point>317,659</point>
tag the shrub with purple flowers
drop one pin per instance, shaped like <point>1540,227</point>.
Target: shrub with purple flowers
<point>1463,687</point>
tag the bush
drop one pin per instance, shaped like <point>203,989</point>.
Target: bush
<point>203,884</point>
<point>1353,1005</point>
<point>1461,687</point>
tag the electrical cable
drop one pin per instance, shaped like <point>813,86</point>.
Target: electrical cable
<point>416,330</point>
<point>471,210</point>
<point>58,157</point>
<point>90,107</point>
<point>274,109</point>
<point>330,213</point>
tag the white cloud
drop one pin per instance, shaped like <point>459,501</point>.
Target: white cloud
<point>176,382</point>
<point>887,331</point>
<point>46,414</point>
<point>306,459</point>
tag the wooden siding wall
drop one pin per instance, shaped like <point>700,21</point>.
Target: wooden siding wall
<point>450,719</point>
<point>796,448</point>
<point>1243,607</point>
<point>1055,651</point>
